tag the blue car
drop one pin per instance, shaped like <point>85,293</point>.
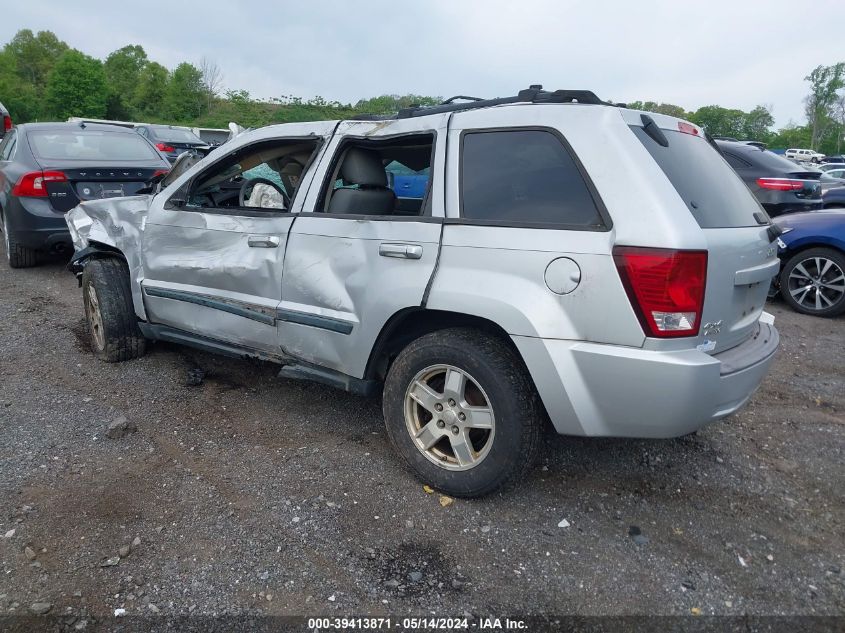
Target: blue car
<point>812,255</point>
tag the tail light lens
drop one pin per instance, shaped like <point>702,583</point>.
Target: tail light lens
<point>7,122</point>
<point>164,147</point>
<point>780,184</point>
<point>686,128</point>
<point>665,287</point>
<point>160,172</point>
<point>34,184</point>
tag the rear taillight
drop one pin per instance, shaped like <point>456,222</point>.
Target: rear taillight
<point>34,184</point>
<point>7,122</point>
<point>164,147</point>
<point>160,172</point>
<point>665,287</point>
<point>780,184</point>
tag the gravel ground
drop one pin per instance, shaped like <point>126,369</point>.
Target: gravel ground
<point>249,495</point>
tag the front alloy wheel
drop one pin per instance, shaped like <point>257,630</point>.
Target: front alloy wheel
<point>813,282</point>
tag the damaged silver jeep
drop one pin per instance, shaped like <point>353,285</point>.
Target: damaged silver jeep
<point>487,266</point>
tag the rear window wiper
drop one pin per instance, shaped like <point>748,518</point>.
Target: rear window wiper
<point>653,130</point>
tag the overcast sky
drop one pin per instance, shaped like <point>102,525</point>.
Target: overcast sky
<point>735,53</point>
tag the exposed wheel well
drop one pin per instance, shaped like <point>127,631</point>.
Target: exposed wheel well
<point>410,324</point>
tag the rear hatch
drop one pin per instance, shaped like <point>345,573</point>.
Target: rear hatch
<point>741,259</point>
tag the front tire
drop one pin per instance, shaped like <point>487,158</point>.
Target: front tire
<point>462,411</point>
<point>18,256</point>
<point>813,282</point>
<point>109,312</point>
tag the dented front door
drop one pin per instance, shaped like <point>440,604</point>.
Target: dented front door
<point>345,276</point>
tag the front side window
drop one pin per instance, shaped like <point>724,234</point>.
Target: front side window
<point>524,176</point>
<point>264,175</point>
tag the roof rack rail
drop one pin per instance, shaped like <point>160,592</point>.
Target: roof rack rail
<point>532,94</point>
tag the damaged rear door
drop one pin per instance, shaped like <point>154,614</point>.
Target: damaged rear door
<point>212,259</point>
<point>359,253</point>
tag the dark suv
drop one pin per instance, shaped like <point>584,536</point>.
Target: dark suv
<point>171,141</point>
<point>780,185</point>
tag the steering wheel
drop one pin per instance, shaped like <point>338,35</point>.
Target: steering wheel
<point>251,182</point>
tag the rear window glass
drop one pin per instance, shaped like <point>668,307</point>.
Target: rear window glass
<point>175,136</point>
<point>712,191</point>
<point>89,145</point>
<point>524,176</point>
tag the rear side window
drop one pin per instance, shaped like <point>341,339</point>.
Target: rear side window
<point>90,145</point>
<point>712,191</point>
<point>524,176</point>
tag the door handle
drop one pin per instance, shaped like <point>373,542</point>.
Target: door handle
<point>262,241</point>
<point>405,251</point>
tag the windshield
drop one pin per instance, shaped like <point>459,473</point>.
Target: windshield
<point>713,193</point>
<point>90,145</point>
<point>175,135</point>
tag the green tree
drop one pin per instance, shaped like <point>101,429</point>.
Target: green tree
<point>123,70</point>
<point>185,95</point>
<point>661,108</point>
<point>77,87</point>
<point>792,136</point>
<point>825,83</point>
<point>35,55</point>
<point>19,96</point>
<point>389,104</point>
<point>148,96</point>
<point>719,121</point>
<point>757,125</point>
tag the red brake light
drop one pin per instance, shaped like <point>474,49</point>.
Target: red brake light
<point>686,128</point>
<point>164,147</point>
<point>7,122</point>
<point>780,184</point>
<point>665,287</point>
<point>160,172</point>
<point>34,184</point>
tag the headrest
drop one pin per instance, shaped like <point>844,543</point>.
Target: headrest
<point>363,167</point>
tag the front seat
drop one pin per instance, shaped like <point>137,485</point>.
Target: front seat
<point>364,168</point>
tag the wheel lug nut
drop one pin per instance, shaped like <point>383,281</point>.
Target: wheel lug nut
<point>451,402</point>
<point>462,417</point>
<point>440,424</point>
<point>455,430</point>
<point>438,407</point>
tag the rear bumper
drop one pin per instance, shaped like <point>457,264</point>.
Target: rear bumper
<point>35,224</point>
<point>607,390</point>
<point>777,208</point>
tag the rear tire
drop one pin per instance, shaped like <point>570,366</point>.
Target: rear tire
<point>481,422</point>
<point>813,282</point>
<point>109,311</point>
<point>18,256</point>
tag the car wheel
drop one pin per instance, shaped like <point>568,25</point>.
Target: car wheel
<point>462,411</point>
<point>813,282</point>
<point>18,256</point>
<point>109,312</point>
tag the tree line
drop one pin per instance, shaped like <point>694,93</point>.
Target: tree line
<point>42,78</point>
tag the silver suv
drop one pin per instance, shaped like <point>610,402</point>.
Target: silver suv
<point>488,266</point>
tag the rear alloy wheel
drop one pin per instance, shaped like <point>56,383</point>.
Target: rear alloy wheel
<point>109,312</point>
<point>813,282</point>
<point>18,256</point>
<point>462,411</point>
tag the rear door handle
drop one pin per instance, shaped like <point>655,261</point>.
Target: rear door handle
<point>405,251</point>
<point>262,241</point>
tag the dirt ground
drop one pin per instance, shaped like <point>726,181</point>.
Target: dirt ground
<point>248,494</point>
